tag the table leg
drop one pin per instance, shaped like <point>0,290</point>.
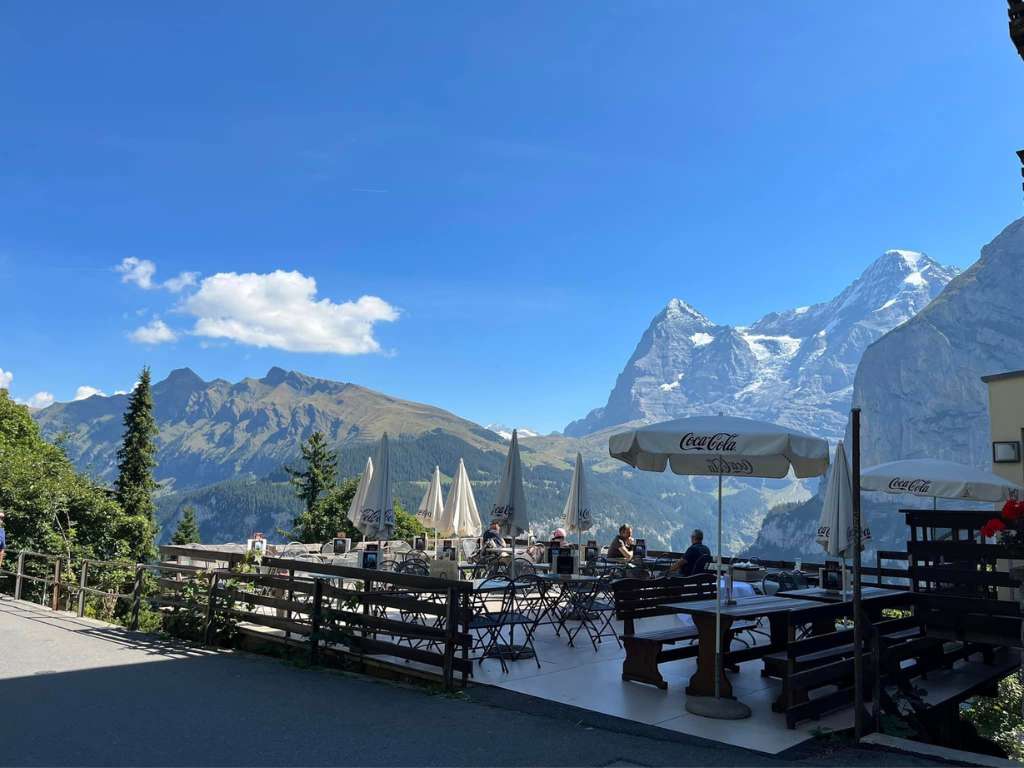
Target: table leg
<point>703,681</point>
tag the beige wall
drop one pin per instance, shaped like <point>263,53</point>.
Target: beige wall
<point>1006,415</point>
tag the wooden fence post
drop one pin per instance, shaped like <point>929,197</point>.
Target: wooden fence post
<point>81,588</point>
<point>1018,575</point>
<point>55,595</point>
<point>211,608</point>
<point>450,622</point>
<point>465,616</point>
<point>315,620</point>
<point>19,576</point>
<point>136,597</point>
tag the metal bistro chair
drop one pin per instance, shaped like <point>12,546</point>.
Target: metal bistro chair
<point>595,610</point>
<point>520,604</point>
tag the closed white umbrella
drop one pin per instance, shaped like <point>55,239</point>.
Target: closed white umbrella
<point>356,507</point>
<point>835,527</point>
<point>377,518</point>
<point>510,505</point>
<point>577,516</point>
<point>460,517</point>
<point>432,506</point>
<point>720,445</point>
<point>938,479</point>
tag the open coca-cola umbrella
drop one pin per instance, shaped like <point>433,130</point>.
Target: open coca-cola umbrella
<point>720,445</point>
<point>939,480</point>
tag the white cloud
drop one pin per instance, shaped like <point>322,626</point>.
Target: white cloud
<point>39,400</point>
<point>138,271</point>
<point>5,379</point>
<point>85,391</point>
<point>154,332</point>
<point>280,310</point>
<point>141,272</point>
<point>181,282</point>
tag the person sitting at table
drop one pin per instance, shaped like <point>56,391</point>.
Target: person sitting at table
<point>687,564</point>
<point>622,545</point>
<point>492,536</point>
<point>558,538</point>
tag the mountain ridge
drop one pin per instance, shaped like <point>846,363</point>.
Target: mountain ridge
<point>794,366</point>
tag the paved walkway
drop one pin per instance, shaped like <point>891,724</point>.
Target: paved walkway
<point>79,692</point>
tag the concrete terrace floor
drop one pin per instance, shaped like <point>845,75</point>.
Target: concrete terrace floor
<point>81,692</point>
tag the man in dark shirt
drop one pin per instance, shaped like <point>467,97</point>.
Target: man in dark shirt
<point>693,556</point>
<point>492,536</point>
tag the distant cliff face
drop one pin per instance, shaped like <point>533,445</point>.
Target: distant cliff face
<point>794,367</point>
<point>920,388</point>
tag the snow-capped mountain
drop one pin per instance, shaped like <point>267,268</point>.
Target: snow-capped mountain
<point>920,391</point>
<point>506,432</point>
<point>794,367</point>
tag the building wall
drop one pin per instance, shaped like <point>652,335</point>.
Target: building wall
<point>1006,416</point>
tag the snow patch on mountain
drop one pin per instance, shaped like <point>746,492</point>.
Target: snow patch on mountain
<point>506,432</point>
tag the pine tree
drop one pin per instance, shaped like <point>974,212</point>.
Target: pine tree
<point>319,475</point>
<point>187,531</point>
<point>135,461</point>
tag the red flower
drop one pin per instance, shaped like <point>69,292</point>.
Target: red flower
<point>1013,510</point>
<point>992,527</point>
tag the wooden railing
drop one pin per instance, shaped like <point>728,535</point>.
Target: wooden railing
<point>877,575</point>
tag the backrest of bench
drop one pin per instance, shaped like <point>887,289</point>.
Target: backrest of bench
<point>816,643</point>
<point>644,598</point>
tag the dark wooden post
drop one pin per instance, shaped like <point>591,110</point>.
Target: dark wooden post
<point>81,588</point>
<point>136,596</point>
<point>315,621</point>
<point>211,608</point>
<point>464,618</point>
<point>55,595</point>
<point>451,614</point>
<point>1018,573</point>
<point>291,597</point>
<point>19,576</point>
<point>858,621</point>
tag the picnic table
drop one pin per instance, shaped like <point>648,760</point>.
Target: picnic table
<point>775,608</point>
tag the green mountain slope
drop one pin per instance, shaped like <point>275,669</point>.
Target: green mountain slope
<point>222,448</point>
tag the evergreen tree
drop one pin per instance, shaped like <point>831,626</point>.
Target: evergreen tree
<point>187,531</point>
<point>319,475</point>
<point>135,461</point>
<point>329,516</point>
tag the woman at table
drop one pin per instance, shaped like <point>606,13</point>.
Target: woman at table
<point>622,545</point>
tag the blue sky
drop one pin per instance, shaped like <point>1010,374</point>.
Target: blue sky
<point>522,185</point>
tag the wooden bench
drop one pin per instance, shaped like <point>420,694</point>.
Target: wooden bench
<point>645,598</point>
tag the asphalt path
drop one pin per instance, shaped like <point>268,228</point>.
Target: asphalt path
<point>80,692</point>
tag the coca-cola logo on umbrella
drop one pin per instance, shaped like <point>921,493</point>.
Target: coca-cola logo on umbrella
<point>720,466</point>
<point>502,512</point>
<point>374,516</point>
<point>719,442</point>
<point>584,515</point>
<point>910,486</point>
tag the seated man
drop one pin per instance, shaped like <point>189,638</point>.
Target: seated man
<point>492,536</point>
<point>693,556</point>
<point>622,545</point>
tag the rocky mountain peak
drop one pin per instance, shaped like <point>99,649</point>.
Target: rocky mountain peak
<point>795,366</point>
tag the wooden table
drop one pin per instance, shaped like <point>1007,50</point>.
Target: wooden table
<point>819,595</point>
<point>702,683</point>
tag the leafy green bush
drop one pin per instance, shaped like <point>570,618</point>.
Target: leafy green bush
<point>998,718</point>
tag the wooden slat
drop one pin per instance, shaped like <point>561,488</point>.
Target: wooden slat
<point>379,647</point>
<point>264,620</point>
<point>402,629</point>
<point>403,603</point>
<point>819,705</point>
<point>421,583</point>
<point>265,600</point>
<point>822,675</point>
<point>944,575</point>
<point>944,519</point>
<point>958,604</point>
<point>271,582</point>
<point>203,555</point>
<point>172,584</point>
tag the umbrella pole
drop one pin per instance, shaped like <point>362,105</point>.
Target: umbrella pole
<point>718,601</point>
<point>858,624</point>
